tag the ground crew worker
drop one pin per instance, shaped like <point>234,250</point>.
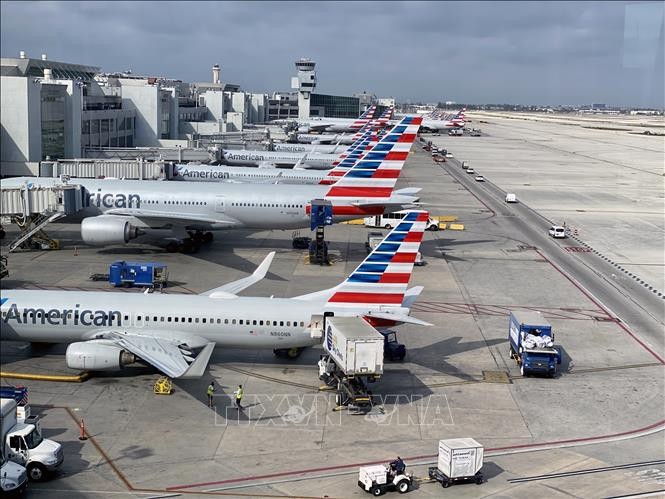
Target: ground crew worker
<point>210,392</point>
<point>238,393</point>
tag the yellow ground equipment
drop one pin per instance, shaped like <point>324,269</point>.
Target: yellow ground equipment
<point>163,386</point>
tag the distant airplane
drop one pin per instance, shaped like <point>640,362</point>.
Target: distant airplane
<point>182,215</point>
<point>176,333</point>
<point>278,159</point>
<point>210,173</point>
<point>316,124</point>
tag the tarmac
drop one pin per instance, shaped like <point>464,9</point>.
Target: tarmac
<point>596,430</point>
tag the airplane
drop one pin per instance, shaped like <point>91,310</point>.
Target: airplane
<point>176,333</point>
<point>277,159</point>
<point>213,173</point>
<point>183,215</point>
<point>317,124</point>
<point>326,139</point>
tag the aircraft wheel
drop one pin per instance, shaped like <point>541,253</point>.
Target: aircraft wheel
<point>294,353</point>
<point>172,247</point>
<point>188,246</point>
<point>388,226</point>
<point>208,237</point>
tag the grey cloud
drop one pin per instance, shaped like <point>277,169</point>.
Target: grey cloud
<point>522,52</point>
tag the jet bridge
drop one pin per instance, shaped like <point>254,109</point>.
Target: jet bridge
<point>32,208</point>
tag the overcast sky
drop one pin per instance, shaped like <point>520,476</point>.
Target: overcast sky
<point>473,52</point>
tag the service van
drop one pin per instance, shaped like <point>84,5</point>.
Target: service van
<point>391,220</point>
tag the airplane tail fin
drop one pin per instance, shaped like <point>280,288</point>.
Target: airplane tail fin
<point>375,174</point>
<point>364,118</point>
<point>383,277</point>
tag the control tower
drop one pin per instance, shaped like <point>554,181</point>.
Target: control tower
<point>304,83</point>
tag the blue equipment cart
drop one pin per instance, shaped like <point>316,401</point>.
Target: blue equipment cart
<point>149,274</point>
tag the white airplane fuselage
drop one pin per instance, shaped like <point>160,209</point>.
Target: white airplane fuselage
<point>303,148</point>
<point>248,174</point>
<point>223,205</point>
<point>69,316</point>
<point>279,158</point>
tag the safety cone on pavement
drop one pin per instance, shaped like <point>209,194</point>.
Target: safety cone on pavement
<point>82,436</point>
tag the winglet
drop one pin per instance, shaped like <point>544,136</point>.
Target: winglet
<point>198,367</point>
<point>228,290</point>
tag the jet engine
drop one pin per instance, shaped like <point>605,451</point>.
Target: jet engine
<point>107,229</point>
<point>97,356</point>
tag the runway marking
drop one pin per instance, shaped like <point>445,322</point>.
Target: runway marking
<point>585,472</point>
<point>504,310</point>
<point>656,427</point>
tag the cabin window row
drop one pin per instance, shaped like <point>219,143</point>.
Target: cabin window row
<point>179,203</point>
<point>212,320</point>
<point>268,205</point>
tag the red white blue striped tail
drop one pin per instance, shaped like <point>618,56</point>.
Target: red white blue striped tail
<point>375,173</point>
<point>382,278</point>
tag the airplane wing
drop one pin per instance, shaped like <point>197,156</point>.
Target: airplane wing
<point>170,355</point>
<point>230,289</point>
<point>181,218</point>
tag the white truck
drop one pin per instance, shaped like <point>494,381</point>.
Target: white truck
<point>354,354</point>
<point>354,345</point>
<point>460,460</point>
<point>13,477</point>
<point>25,444</point>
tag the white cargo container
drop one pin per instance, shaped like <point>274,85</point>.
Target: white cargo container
<point>354,345</point>
<point>460,457</point>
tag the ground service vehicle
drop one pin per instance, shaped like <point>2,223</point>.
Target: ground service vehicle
<point>26,446</point>
<point>460,460</point>
<point>379,479</point>
<point>531,344</point>
<point>557,232</point>
<point>392,349</point>
<point>150,274</point>
<point>390,220</point>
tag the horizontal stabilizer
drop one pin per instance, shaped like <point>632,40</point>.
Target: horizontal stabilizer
<point>407,319</point>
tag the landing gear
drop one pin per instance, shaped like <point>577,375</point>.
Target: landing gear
<point>172,247</point>
<point>208,237</point>
<point>289,353</point>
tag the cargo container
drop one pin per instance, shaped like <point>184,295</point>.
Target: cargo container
<point>459,460</point>
<point>354,345</point>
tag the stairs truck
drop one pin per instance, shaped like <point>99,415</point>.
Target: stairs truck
<point>532,344</point>
<point>25,444</point>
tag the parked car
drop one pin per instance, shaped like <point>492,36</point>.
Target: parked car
<point>480,178</point>
<point>470,170</point>
<point>511,198</point>
<point>557,232</point>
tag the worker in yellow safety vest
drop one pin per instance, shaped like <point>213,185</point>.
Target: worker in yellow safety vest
<point>210,392</point>
<point>238,393</point>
